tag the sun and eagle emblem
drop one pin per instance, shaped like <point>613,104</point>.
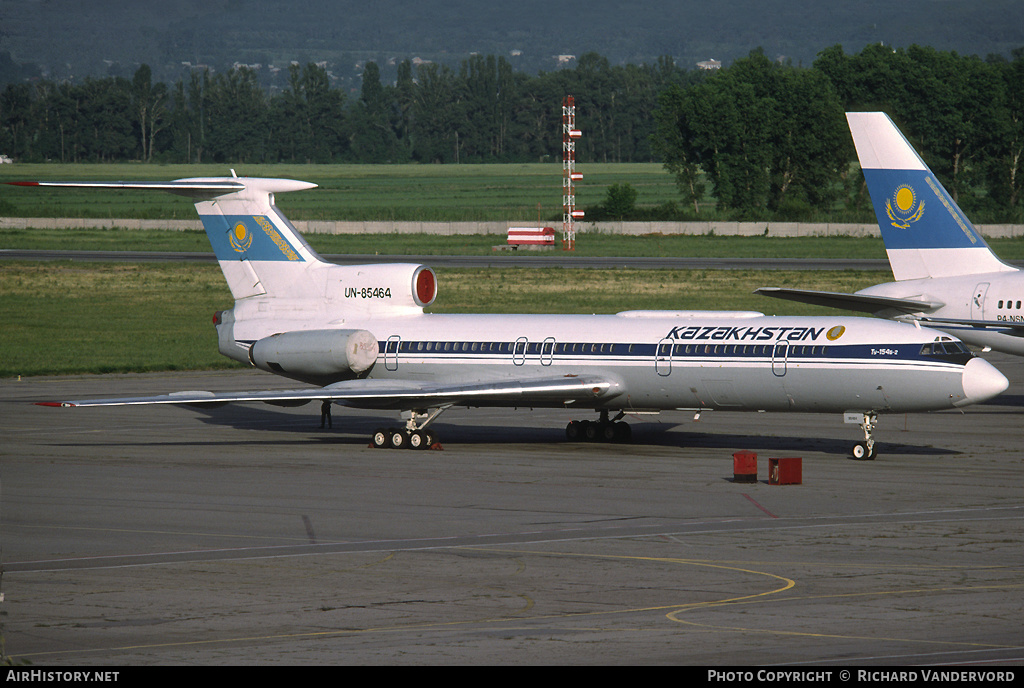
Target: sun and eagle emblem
<point>240,237</point>
<point>904,208</point>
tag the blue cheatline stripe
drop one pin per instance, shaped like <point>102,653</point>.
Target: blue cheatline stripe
<point>624,352</point>
<point>914,211</point>
<point>247,237</point>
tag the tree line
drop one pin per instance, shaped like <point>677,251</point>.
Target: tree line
<point>757,137</point>
<point>768,139</point>
<point>484,111</point>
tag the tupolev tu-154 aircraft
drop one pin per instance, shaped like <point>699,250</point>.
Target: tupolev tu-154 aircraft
<point>947,276</point>
<point>359,336</point>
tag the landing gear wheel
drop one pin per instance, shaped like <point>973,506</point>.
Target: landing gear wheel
<point>379,439</point>
<point>862,453</point>
<point>865,451</point>
<point>419,440</point>
<point>398,439</point>
<point>598,431</point>
<point>610,432</point>
<point>623,433</point>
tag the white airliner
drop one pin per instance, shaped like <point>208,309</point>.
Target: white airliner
<point>360,336</point>
<point>946,275</point>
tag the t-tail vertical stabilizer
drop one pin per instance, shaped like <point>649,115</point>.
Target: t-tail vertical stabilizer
<point>925,232</point>
<point>259,250</point>
<point>279,283</point>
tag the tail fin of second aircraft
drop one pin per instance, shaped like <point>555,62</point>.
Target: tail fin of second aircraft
<point>925,232</point>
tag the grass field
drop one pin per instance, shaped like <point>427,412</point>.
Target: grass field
<point>587,245</point>
<point>64,318</point>
<point>346,192</point>
<point>477,245</point>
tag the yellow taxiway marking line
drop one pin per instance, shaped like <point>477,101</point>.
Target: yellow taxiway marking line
<point>678,608</point>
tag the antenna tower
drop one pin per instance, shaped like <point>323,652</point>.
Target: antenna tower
<point>569,174</point>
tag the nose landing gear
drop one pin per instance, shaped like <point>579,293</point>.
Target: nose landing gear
<point>865,451</point>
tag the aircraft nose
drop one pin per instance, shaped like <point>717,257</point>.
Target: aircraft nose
<point>981,382</point>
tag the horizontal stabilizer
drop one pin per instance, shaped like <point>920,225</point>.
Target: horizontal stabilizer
<point>184,187</point>
<point>862,303</point>
<point>388,393</point>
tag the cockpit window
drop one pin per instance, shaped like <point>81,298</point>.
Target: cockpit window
<point>948,350</point>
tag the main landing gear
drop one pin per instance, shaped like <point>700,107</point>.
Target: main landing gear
<point>413,436</point>
<point>603,430</point>
<point>400,438</point>
<point>865,451</point>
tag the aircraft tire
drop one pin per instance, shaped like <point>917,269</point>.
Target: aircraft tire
<point>419,440</point>
<point>379,439</point>
<point>398,439</point>
<point>861,453</point>
<point>573,431</point>
<point>623,433</point>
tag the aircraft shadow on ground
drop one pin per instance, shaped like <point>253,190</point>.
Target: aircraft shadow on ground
<point>354,428</point>
<point>1006,400</point>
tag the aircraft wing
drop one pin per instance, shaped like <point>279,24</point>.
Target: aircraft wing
<point>399,394</point>
<point>864,303</point>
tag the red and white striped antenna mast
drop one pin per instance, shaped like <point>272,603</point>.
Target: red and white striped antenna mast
<point>570,176</point>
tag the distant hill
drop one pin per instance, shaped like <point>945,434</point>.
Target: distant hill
<point>74,39</point>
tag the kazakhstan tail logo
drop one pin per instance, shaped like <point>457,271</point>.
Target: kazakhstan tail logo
<point>240,237</point>
<point>904,208</point>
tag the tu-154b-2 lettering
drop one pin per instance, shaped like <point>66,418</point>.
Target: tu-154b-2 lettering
<point>358,336</point>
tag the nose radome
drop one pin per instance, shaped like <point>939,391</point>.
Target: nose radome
<point>981,382</point>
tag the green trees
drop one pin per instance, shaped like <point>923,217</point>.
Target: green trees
<point>757,137</point>
<point>1005,167</point>
<point>308,121</point>
<point>772,138</point>
<point>483,111</point>
<point>964,114</point>
<point>149,104</point>
<point>766,136</point>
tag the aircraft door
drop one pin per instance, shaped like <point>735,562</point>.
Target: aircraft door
<point>391,352</point>
<point>978,301</point>
<point>547,351</point>
<point>663,357</point>
<point>780,354</point>
<point>519,351</point>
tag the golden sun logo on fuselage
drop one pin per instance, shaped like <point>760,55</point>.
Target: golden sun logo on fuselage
<point>904,208</point>
<point>240,237</point>
<point>835,333</point>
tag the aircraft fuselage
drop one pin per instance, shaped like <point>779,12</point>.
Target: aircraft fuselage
<point>988,298</point>
<point>658,361</point>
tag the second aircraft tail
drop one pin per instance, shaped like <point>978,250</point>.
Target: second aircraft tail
<point>925,232</point>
